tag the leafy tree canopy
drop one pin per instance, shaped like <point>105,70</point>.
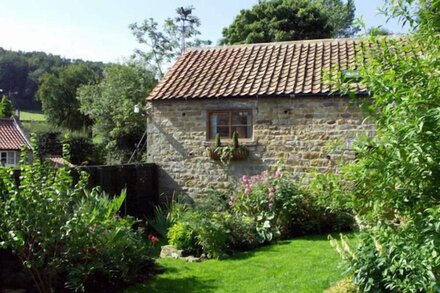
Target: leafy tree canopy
<point>177,34</point>
<point>20,73</point>
<point>287,20</point>
<point>58,94</point>
<point>110,105</point>
<point>6,108</point>
<point>341,16</point>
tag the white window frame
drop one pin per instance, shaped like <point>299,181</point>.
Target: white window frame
<point>11,158</point>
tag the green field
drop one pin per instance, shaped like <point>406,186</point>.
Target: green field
<point>307,264</point>
<point>32,116</point>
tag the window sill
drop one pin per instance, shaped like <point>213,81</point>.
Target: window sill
<point>245,142</point>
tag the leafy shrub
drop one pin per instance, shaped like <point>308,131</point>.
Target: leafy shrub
<point>65,234</point>
<point>82,149</point>
<point>269,200</point>
<point>242,234</point>
<point>393,186</point>
<point>181,236</point>
<point>197,231</point>
<point>211,234</point>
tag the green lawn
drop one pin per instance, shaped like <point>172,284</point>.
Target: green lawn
<point>32,116</point>
<point>307,264</point>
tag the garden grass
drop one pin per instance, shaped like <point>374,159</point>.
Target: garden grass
<point>306,264</point>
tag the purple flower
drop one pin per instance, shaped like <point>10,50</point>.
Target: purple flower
<point>270,195</point>
<point>277,174</point>
<point>270,205</point>
<point>247,190</point>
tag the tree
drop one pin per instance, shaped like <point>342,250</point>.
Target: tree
<point>110,105</point>
<point>58,94</point>
<point>177,35</point>
<point>394,182</point>
<point>278,20</point>
<point>6,108</point>
<point>378,31</point>
<point>20,73</point>
<point>13,74</point>
<point>341,16</point>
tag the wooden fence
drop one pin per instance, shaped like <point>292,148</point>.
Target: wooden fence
<point>139,180</point>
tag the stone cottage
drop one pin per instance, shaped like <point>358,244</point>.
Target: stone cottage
<point>273,95</point>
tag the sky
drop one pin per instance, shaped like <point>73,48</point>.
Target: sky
<point>98,30</point>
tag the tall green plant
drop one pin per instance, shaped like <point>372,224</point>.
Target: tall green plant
<point>58,228</point>
<point>393,186</point>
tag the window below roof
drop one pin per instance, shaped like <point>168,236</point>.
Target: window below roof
<point>226,122</point>
<point>9,158</point>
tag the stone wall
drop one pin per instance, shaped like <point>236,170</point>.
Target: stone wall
<point>295,131</point>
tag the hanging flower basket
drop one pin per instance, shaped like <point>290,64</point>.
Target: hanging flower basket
<point>228,153</point>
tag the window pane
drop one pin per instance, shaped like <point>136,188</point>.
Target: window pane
<point>222,118</point>
<point>241,118</point>
<point>223,131</point>
<point>3,158</point>
<point>243,131</point>
<point>11,158</point>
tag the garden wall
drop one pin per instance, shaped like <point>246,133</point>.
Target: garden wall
<point>295,131</point>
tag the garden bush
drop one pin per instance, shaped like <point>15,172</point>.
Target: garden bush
<point>265,207</point>
<point>65,235</point>
<point>393,185</point>
<point>281,208</point>
<point>181,236</point>
<point>198,231</point>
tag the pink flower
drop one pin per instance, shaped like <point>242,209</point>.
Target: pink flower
<point>270,205</point>
<point>277,174</point>
<point>270,195</point>
<point>245,180</point>
<point>247,190</point>
<point>271,189</point>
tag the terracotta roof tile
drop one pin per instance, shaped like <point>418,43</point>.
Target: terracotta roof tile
<point>11,136</point>
<point>287,68</point>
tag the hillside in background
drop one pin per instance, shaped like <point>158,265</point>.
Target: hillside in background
<point>20,73</point>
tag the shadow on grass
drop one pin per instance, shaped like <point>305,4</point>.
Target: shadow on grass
<point>182,285</point>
